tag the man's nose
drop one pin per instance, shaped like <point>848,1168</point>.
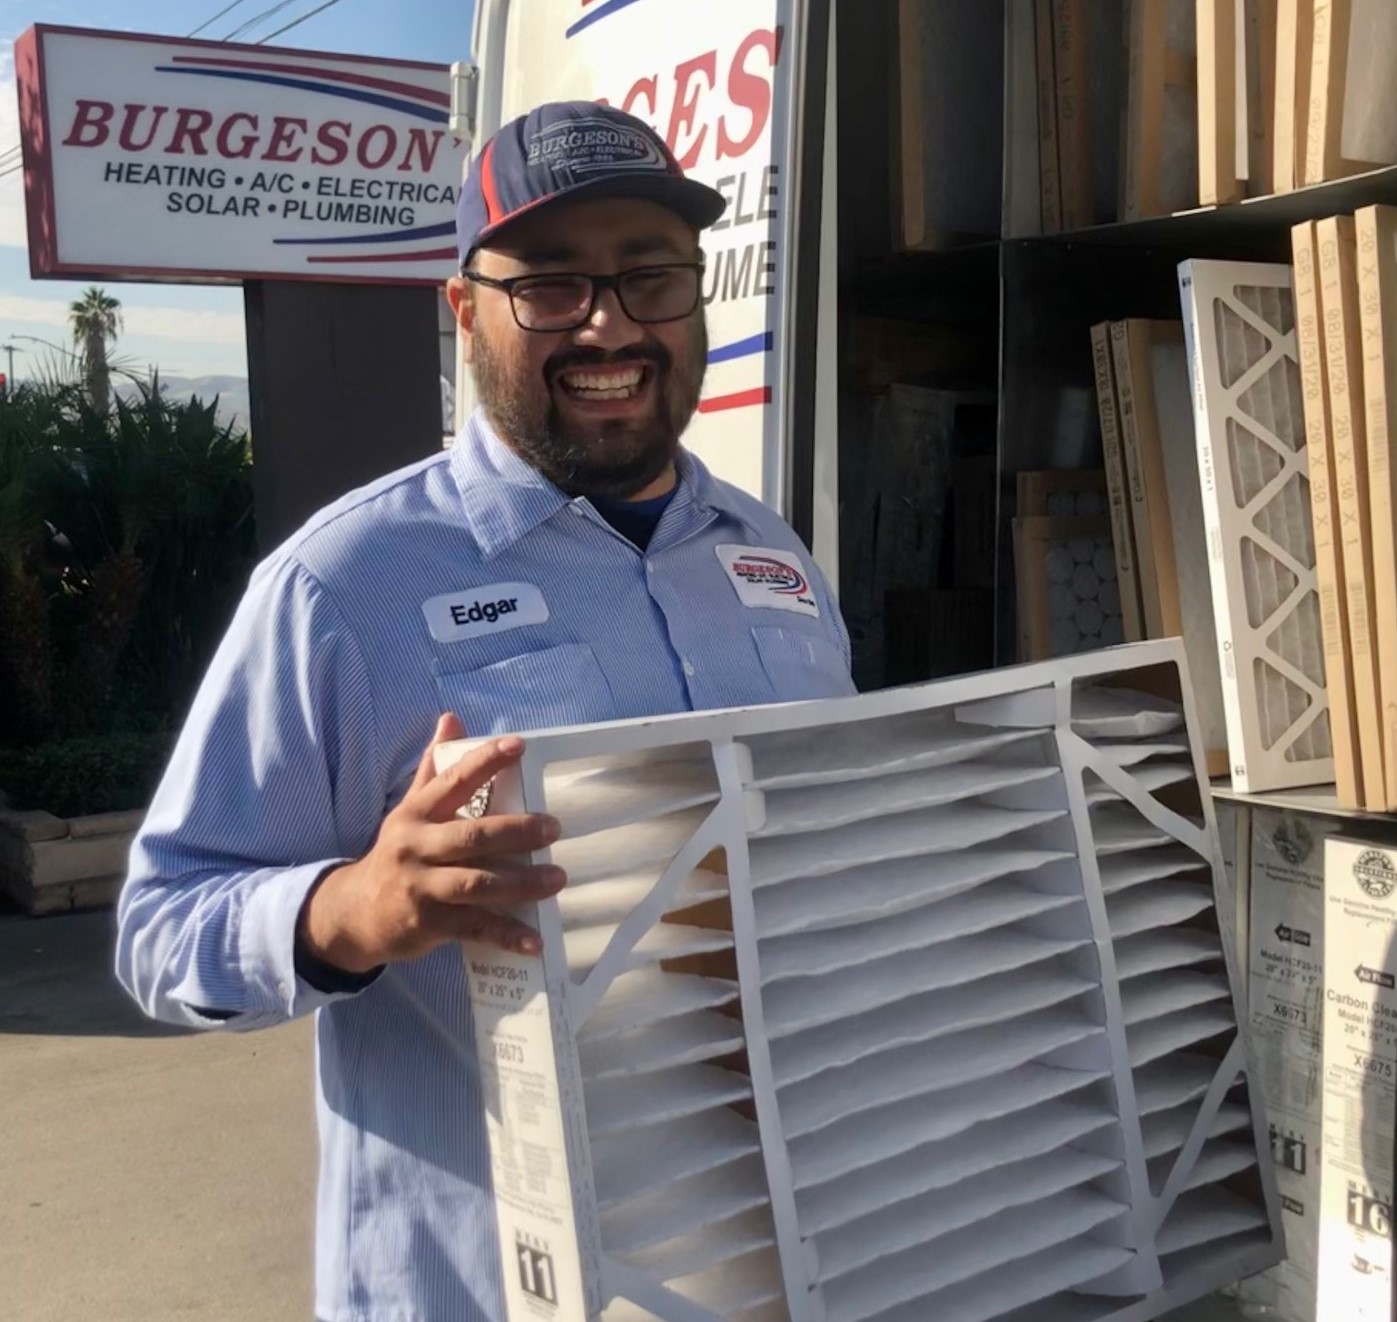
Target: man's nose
<point>609,327</point>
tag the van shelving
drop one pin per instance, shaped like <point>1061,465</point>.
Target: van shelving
<point>1042,294</point>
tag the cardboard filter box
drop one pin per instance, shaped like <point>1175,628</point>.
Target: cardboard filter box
<point>1286,1010</point>
<point>1360,1081</point>
<point>914,1005</point>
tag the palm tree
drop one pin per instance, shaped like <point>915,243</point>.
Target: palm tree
<point>95,319</point>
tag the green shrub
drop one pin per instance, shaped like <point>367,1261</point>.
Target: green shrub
<point>126,539</point>
<point>97,773</point>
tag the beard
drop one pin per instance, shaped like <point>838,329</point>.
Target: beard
<point>612,459</point>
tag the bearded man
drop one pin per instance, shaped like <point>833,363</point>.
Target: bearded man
<point>566,561</point>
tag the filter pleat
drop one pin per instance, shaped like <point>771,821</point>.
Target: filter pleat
<point>924,1220</point>
<point>969,914</point>
<point>879,890</point>
<point>685,1205</point>
<point>909,1125</point>
<point>962,1255</point>
<point>985,1147</point>
<point>1157,1038</point>
<point>905,835</point>
<point>799,1003</point>
<point>868,750</point>
<point>1167,1131</point>
<point>1161,905</point>
<point>680,1040</point>
<point>650,996</point>
<point>831,807</point>
<point>628,1165</point>
<point>622,1104</point>
<point>921,1019</point>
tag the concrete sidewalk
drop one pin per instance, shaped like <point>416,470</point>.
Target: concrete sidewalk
<point>148,1174</point>
<point>144,1173</point>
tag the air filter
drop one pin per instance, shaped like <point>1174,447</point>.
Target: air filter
<point>1239,320</point>
<point>912,1005</point>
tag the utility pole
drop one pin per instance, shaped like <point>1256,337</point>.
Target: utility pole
<point>10,351</point>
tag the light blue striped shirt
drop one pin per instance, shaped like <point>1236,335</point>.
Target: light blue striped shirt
<point>352,638</point>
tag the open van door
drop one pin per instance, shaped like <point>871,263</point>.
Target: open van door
<point>737,89</point>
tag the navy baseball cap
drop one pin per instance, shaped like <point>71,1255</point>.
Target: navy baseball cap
<point>566,151</point>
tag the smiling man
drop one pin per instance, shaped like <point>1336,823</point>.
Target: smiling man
<point>567,561</point>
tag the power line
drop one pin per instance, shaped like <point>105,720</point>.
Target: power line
<point>295,23</point>
<point>209,22</point>
<point>256,19</point>
<point>12,159</point>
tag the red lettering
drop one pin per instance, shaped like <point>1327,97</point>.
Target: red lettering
<point>686,99</point>
<point>248,144</point>
<point>191,127</point>
<point>390,148</point>
<point>751,91</point>
<point>284,140</point>
<point>131,119</point>
<point>334,143</point>
<point>91,124</point>
<point>649,88</point>
<point>417,140</point>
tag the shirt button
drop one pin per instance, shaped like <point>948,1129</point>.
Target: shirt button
<point>689,669</point>
<point>649,566</point>
<point>283,991</point>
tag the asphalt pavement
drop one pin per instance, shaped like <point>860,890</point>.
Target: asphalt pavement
<point>145,1173</point>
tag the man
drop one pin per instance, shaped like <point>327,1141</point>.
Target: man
<point>565,562</point>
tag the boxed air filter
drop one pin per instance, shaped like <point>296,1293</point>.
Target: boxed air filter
<point>1360,1081</point>
<point>915,1005</point>
<point>1239,320</point>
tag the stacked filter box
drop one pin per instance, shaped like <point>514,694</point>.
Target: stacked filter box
<point>851,1006</point>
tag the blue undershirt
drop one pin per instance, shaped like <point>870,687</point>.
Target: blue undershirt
<point>635,520</point>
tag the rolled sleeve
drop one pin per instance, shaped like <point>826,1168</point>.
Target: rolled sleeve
<point>274,781</point>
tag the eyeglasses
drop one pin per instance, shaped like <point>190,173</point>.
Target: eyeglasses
<point>565,300</point>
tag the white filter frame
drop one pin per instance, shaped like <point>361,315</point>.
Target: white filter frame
<point>1129,1131</point>
<point>1231,521</point>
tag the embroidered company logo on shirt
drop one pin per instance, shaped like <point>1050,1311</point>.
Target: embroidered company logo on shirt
<point>456,616</point>
<point>770,579</point>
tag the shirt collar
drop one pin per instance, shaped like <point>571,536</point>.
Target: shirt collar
<point>505,499</point>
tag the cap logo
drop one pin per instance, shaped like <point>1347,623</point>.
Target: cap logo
<point>581,147</point>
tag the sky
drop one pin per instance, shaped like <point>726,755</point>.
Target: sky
<point>185,331</point>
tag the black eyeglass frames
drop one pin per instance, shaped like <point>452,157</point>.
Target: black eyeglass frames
<point>565,300</point>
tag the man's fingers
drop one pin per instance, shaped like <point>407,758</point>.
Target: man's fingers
<point>449,727</point>
<point>445,794</point>
<point>466,923</point>
<point>504,888</point>
<point>482,839</point>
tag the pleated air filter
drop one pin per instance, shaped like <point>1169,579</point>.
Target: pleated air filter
<point>1239,320</point>
<point>910,1006</point>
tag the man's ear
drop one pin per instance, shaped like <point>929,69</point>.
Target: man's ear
<point>460,298</point>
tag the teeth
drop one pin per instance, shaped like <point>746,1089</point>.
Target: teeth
<point>604,382</point>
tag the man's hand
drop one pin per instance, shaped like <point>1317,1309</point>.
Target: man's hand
<point>432,877</point>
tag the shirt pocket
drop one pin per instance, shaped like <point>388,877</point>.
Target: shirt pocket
<point>801,665</point>
<point>555,686</point>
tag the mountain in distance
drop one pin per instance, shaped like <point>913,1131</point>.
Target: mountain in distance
<point>234,404</point>
<point>231,391</point>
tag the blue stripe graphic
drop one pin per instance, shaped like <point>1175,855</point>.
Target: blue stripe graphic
<point>422,232</point>
<point>347,93</point>
<point>596,16</point>
<point>725,353</point>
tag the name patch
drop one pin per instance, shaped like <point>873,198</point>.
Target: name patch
<point>771,580</point>
<point>455,616</point>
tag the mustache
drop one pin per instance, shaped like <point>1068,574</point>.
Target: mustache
<point>565,359</point>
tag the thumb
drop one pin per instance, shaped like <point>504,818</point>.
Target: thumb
<point>449,727</point>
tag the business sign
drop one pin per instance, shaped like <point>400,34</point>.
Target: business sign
<point>715,83</point>
<point>160,158</point>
